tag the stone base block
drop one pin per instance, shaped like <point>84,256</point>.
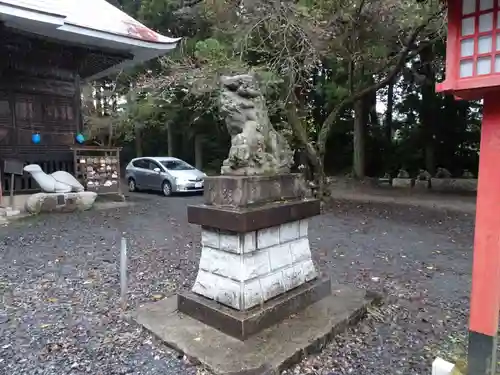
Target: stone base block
<point>421,185</point>
<point>267,352</point>
<point>454,184</point>
<point>244,191</point>
<point>243,270</point>
<point>9,212</point>
<point>60,202</point>
<point>402,183</point>
<point>254,218</point>
<point>242,324</point>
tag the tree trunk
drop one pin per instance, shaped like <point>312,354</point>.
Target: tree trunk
<point>170,140</point>
<point>300,132</point>
<point>388,112</point>
<point>138,141</point>
<point>110,133</point>
<point>294,107</point>
<point>371,108</point>
<point>360,122</point>
<point>402,58</point>
<point>98,98</point>
<point>198,151</point>
<point>428,107</point>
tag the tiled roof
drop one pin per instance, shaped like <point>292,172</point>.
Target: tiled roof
<point>97,15</point>
<point>48,6</point>
<point>94,23</point>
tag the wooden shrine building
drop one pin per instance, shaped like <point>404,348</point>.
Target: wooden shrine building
<point>46,48</point>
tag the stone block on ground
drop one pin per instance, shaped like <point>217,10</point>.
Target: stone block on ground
<point>9,212</point>
<point>405,183</point>
<point>267,352</point>
<point>384,181</point>
<point>454,184</point>
<point>466,184</point>
<point>442,367</point>
<point>60,202</point>
<point>421,185</point>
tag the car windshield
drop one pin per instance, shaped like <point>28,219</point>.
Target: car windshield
<point>177,165</point>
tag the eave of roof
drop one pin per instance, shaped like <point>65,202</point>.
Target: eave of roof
<point>93,23</point>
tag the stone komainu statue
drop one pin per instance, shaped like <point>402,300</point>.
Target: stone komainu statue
<point>256,147</point>
<point>402,173</point>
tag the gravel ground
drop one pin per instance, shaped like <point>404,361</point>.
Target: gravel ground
<point>59,311</point>
<point>421,260</point>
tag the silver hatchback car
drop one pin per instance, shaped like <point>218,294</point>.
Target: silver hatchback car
<point>166,174</point>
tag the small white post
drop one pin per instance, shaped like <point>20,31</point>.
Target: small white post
<point>123,273</point>
<point>442,367</point>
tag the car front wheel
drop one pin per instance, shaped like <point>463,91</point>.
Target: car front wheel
<point>131,185</point>
<point>166,189</point>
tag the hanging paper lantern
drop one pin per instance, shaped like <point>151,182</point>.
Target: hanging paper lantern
<point>80,138</point>
<point>36,138</point>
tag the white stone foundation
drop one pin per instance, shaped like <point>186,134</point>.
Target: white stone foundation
<point>245,270</point>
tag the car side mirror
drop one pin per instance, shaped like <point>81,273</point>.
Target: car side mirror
<point>157,170</point>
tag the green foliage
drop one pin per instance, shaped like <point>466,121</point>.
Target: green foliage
<point>311,53</point>
<point>211,51</point>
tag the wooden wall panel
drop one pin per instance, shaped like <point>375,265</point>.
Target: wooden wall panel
<point>6,123</point>
<point>45,105</point>
<point>35,85</point>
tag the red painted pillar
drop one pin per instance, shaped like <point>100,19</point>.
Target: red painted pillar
<point>485,295</point>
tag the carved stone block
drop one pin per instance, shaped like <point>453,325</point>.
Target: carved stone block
<point>242,191</point>
<point>60,202</point>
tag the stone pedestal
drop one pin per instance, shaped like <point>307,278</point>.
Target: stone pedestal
<point>454,184</point>
<point>405,183</point>
<point>421,185</point>
<point>258,304</point>
<point>254,248</point>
